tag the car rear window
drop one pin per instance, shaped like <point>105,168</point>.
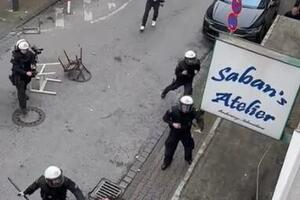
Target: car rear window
<point>258,4</point>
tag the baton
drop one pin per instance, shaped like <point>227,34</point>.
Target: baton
<point>17,188</point>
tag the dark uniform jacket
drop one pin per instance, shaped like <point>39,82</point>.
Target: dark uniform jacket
<point>22,63</point>
<point>155,1</point>
<point>174,115</point>
<point>51,193</point>
<point>182,66</point>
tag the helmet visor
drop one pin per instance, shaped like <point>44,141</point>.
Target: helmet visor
<point>186,108</point>
<point>190,61</point>
<point>57,182</point>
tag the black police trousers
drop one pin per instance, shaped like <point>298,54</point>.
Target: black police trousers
<point>172,142</point>
<point>188,86</point>
<point>148,7</point>
<point>21,85</point>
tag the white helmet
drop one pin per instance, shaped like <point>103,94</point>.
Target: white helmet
<point>190,57</point>
<point>22,44</point>
<point>190,54</point>
<point>18,42</point>
<point>53,176</point>
<point>186,103</point>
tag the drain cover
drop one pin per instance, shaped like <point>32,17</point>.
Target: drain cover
<point>34,117</point>
<point>105,189</point>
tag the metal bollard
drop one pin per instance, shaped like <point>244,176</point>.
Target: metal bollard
<point>68,7</point>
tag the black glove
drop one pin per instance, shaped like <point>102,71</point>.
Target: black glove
<point>21,194</point>
<point>162,3</point>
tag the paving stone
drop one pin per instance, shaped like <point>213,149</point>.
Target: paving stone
<point>131,174</point>
<point>124,184</point>
<point>148,149</point>
<point>135,168</point>
<point>159,133</point>
<point>154,140</point>
<point>141,159</point>
<point>137,164</point>
<point>145,154</point>
<point>151,145</point>
<point>127,179</point>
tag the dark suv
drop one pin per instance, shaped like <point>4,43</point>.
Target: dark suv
<point>254,19</point>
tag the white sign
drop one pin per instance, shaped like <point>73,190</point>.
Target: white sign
<point>250,89</point>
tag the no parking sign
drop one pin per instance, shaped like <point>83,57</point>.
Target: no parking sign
<point>236,7</point>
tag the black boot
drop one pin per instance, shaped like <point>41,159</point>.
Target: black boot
<point>163,95</point>
<point>24,111</point>
<point>165,165</point>
<point>189,161</point>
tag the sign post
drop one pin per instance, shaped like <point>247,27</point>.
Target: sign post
<point>232,20</point>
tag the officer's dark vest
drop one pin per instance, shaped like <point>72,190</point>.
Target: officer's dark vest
<point>24,61</point>
<point>48,193</point>
<point>185,119</point>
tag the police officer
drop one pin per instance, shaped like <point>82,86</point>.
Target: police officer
<point>180,119</point>
<point>185,72</point>
<point>151,4</point>
<point>23,68</point>
<point>54,186</point>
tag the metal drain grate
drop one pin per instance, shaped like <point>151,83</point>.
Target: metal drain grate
<point>105,189</point>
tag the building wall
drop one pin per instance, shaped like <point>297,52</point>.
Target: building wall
<point>5,4</point>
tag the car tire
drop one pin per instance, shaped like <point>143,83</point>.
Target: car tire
<point>275,14</point>
<point>262,34</point>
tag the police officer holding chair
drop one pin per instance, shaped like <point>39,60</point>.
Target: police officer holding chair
<point>23,69</point>
<point>185,72</point>
<point>54,186</point>
<point>180,119</point>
